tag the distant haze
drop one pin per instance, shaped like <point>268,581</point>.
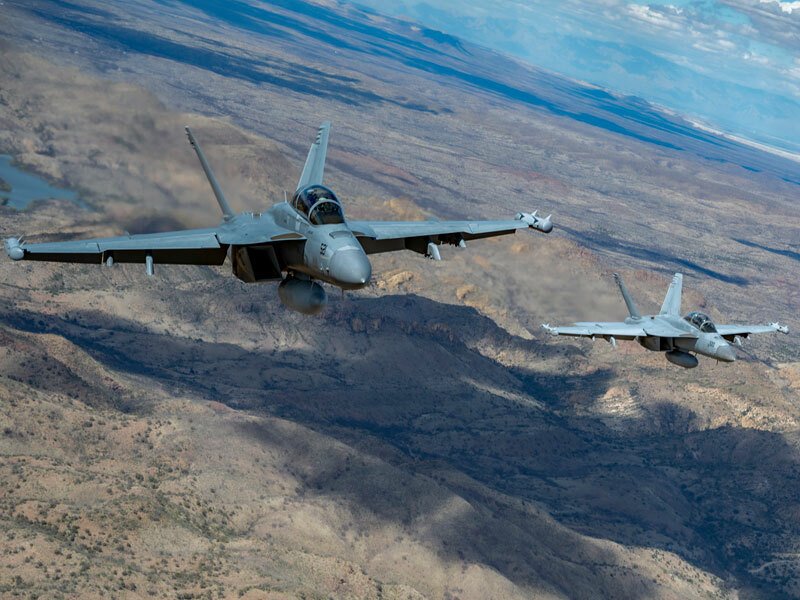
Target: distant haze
<point>733,64</point>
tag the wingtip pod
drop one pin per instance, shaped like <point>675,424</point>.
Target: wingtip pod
<point>14,248</point>
<point>532,220</point>
<point>779,327</point>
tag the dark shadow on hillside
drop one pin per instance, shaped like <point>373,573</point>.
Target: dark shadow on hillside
<point>604,243</point>
<point>787,253</point>
<point>229,62</point>
<point>130,347</point>
<point>714,497</point>
<point>311,29</point>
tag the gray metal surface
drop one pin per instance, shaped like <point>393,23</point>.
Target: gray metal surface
<point>668,332</point>
<point>672,301</point>
<point>281,244</point>
<point>314,169</point>
<point>223,202</point>
<point>632,310</point>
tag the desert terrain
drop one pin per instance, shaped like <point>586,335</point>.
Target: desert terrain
<point>187,436</point>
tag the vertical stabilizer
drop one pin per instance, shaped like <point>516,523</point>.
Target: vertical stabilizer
<point>627,297</point>
<point>315,163</point>
<point>672,301</point>
<point>223,202</point>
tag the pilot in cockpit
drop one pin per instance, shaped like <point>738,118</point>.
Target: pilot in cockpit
<point>702,321</point>
<point>319,204</point>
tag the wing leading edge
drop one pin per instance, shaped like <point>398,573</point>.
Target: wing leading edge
<point>618,330</point>
<point>190,247</point>
<point>729,332</point>
<point>387,236</point>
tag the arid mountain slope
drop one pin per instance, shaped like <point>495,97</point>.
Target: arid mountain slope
<point>424,449</point>
<point>461,130</point>
<point>124,150</point>
<point>187,436</point>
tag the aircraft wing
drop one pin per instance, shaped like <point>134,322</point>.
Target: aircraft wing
<point>618,330</point>
<point>731,331</point>
<point>387,236</point>
<point>190,247</point>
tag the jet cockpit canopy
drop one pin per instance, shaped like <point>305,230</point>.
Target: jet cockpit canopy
<point>702,321</point>
<point>319,204</point>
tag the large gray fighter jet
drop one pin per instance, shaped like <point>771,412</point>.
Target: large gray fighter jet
<point>307,239</point>
<point>668,332</point>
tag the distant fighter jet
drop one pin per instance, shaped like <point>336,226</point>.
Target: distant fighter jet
<point>306,239</point>
<point>668,331</point>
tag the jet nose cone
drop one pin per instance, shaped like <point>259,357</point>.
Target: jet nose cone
<point>350,268</point>
<point>726,353</point>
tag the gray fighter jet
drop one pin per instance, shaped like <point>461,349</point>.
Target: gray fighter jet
<point>668,332</point>
<point>296,242</point>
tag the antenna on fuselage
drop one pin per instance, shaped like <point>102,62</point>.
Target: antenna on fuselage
<point>227,213</point>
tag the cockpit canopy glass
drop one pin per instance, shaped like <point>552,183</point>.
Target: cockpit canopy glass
<point>319,204</point>
<point>702,321</point>
<point>326,213</point>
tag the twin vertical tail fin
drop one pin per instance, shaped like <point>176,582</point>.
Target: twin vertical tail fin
<point>314,168</point>
<point>227,213</point>
<point>672,301</point>
<point>634,312</point>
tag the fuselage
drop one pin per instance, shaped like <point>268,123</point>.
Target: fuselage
<point>702,339</point>
<point>679,338</point>
<point>331,252</point>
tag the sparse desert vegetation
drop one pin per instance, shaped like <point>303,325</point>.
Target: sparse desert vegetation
<point>186,436</point>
